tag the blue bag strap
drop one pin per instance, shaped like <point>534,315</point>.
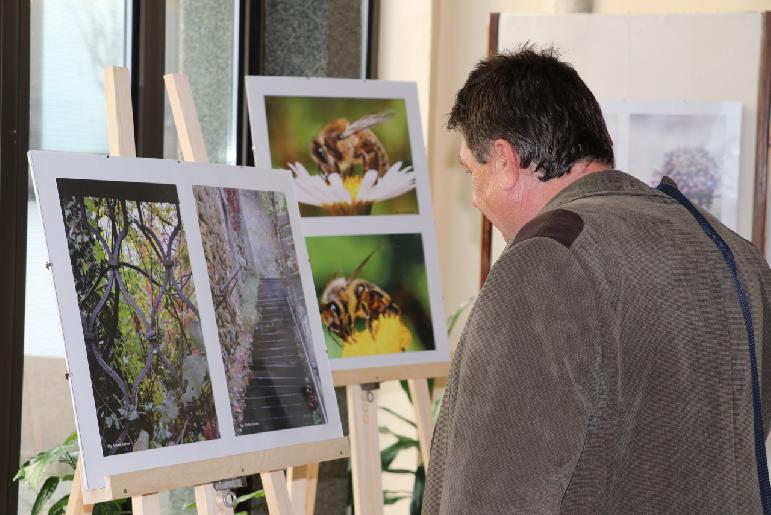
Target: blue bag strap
<point>760,444</point>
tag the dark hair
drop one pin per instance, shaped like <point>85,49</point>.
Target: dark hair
<point>539,105</point>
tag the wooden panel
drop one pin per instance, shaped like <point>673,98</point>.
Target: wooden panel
<point>75,505</point>
<point>762,136</point>
<point>183,109</point>
<point>381,374</point>
<point>183,475</point>
<point>365,450</point>
<point>276,493</point>
<point>209,501</point>
<point>302,482</point>
<point>487,227</point>
<point>421,399</point>
<point>146,504</point>
<point>120,118</point>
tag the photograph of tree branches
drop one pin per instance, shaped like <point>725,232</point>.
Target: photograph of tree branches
<point>141,326</point>
<point>262,319</point>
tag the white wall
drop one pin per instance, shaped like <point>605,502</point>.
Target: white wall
<point>459,41</point>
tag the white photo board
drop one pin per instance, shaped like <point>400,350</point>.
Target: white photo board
<point>190,324</point>
<point>696,144</point>
<point>358,164</point>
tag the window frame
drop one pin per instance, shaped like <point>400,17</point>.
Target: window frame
<point>14,141</point>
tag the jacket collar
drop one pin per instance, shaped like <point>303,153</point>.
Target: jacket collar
<point>610,182</point>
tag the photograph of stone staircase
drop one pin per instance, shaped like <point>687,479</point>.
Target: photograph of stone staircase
<point>262,319</point>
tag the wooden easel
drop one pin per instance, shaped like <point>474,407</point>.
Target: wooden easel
<point>361,385</point>
<point>143,486</point>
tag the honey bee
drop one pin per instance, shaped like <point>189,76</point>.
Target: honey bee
<point>341,144</point>
<point>344,301</point>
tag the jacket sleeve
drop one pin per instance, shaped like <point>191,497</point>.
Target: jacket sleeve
<point>527,385</point>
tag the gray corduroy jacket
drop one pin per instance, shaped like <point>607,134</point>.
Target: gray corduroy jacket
<point>604,367</point>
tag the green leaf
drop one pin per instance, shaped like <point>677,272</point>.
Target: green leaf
<point>189,505</point>
<point>387,431</point>
<point>393,498</point>
<point>400,417</point>
<point>388,454</point>
<point>406,387</point>
<point>59,507</point>
<point>417,491</point>
<point>119,507</point>
<point>257,494</point>
<point>45,493</point>
<point>34,470</point>
<point>438,404</point>
<point>453,318</point>
<point>399,471</point>
<point>20,474</point>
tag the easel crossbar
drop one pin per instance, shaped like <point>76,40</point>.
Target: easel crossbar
<point>161,479</point>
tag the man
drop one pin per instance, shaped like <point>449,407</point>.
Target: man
<point>605,367</point>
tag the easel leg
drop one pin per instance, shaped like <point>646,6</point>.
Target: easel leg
<point>276,493</point>
<point>146,504</point>
<point>75,504</point>
<point>302,482</point>
<point>365,450</point>
<point>210,502</point>
<point>421,399</point>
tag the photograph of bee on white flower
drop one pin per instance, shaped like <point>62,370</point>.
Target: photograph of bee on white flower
<point>348,156</point>
<point>373,294</point>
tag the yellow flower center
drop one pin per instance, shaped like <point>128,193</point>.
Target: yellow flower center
<point>352,183</point>
<point>389,335</point>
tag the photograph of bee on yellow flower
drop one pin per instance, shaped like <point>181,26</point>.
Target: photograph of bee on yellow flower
<point>348,156</point>
<point>373,293</point>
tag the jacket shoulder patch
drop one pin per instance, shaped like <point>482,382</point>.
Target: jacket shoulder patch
<point>560,225</point>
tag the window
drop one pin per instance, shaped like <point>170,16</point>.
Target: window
<point>211,64</point>
<point>71,42</point>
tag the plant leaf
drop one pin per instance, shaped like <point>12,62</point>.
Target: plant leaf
<point>59,507</point>
<point>406,387</point>
<point>393,498</point>
<point>33,471</point>
<point>257,494</point>
<point>453,318</point>
<point>397,415</point>
<point>45,493</point>
<point>399,471</point>
<point>438,403</point>
<point>417,491</point>
<point>386,431</point>
<point>388,454</point>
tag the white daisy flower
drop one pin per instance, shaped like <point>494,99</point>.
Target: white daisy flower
<point>354,194</point>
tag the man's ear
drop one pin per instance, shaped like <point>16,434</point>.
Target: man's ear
<point>505,162</point>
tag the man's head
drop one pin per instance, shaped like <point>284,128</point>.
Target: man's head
<point>530,127</point>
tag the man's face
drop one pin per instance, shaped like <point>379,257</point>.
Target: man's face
<point>488,192</point>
